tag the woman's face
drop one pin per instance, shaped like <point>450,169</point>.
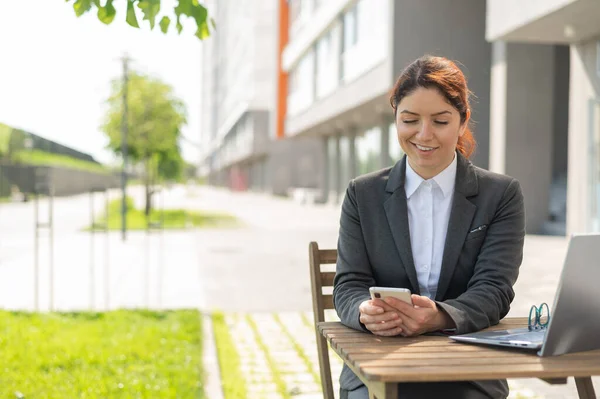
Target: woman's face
<point>428,130</point>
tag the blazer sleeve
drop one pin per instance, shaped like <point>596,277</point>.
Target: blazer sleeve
<point>354,275</point>
<point>490,291</point>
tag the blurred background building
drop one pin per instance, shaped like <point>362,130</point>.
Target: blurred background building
<point>296,94</point>
<point>545,108</point>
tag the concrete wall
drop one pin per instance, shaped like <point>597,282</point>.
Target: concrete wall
<point>456,30</point>
<point>296,162</point>
<point>585,85</point>
<point>63,181</point>
<point>523,122</point>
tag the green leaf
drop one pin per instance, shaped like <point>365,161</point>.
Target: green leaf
<point>178,25</point>
<point>213,23</point>
<point>192,8</point>
<point>150,8</point>
<point>82,6</point>
<point>164,24</point>
<point>202,32</point>
<point>131,17</point>
<point>107,13</point>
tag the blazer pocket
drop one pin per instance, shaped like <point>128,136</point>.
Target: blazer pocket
<point>477,232</point>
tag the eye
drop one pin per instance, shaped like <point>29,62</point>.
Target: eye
<point>410,121</point>
<point>441,122</point>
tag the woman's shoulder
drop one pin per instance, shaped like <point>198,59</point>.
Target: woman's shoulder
<point>494,181</point>
<point>489,175</point>
<point>372,180</point>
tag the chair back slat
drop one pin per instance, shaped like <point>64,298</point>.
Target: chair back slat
<point>321,302</point>
<point>328,302</point>
<point>327,279</point>
<point>328,256</point>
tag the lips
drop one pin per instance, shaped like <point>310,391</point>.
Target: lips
<point>424,148</point>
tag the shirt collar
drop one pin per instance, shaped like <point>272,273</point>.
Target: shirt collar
<point>445,180</point>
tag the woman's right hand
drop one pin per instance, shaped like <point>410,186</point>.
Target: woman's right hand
<point>380,318</point>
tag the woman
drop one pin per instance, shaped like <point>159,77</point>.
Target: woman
<point>434,223</point>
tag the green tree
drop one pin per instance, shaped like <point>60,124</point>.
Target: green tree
<point>151,11</point>
<point>155,118</point>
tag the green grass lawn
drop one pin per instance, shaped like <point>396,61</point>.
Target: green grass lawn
<point>119,354</point>
<point>172,218</point>
<point>42,158</point>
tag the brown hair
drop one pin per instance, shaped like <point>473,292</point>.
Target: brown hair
<point>445,76</point>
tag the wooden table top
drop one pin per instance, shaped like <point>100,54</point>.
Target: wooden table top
<point>438,358</point>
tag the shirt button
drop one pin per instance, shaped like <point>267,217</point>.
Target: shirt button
<point>425,267</point>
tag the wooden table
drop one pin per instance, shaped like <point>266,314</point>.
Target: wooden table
<point>383,362</point>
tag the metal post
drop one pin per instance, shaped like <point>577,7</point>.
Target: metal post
<point>51,227</point>
<point>147,270</point>
<point>36,262</point>
<point>106,258</point>
<point>92,255</point>
<point>161,249</point>
<point>124,128</point>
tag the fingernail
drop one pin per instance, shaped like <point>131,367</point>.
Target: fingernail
<point>379,310</point>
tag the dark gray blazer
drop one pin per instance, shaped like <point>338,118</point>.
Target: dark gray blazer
<point>482,253</point>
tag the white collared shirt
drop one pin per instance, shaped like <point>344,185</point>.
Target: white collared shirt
<point>429,203</point>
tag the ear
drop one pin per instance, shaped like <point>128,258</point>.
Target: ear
<point>463,127</point>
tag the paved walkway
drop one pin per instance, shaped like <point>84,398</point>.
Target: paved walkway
<point>252,272</point>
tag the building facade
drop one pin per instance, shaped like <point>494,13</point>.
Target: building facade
<point>545,109</point>
<point>239,93</point>
<point>342,59</point>
<point>242,88</point>
<point>296,94</point>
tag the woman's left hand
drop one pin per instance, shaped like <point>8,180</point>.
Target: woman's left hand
<point>421,317</point>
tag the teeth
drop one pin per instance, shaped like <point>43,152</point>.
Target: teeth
<point>420,147</point>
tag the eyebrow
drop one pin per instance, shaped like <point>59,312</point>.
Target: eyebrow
<point>405,111</point>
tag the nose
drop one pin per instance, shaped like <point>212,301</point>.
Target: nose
<point>426,132</point>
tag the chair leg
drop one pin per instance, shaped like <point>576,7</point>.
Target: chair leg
<point>585,388</point>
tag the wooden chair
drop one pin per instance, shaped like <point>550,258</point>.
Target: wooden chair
<point>322,302</point>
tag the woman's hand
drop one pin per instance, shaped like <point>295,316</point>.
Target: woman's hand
<point>421,317</point>
<point>380,318</point>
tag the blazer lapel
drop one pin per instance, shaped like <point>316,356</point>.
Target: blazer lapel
<point>396,211</point>
<point>461,216</point>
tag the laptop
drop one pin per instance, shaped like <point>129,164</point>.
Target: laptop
<point>574,324</point>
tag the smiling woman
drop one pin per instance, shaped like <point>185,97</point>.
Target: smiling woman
<point>418,226</point>
<point>431,104</point>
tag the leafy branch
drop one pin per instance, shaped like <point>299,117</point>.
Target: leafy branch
<point>150,10</point>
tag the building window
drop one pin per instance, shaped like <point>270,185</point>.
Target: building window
<point>301,93</point>
<point>368,151</point>
<point>365,37</point>
<point>328,50</point>
<point>350,28</point>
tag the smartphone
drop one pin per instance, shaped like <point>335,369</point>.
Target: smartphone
<point>382,292</point>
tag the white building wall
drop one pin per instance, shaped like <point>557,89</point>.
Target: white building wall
<point>506,15</point>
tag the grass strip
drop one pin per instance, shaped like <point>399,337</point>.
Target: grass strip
<point>117,354</point>
<point>232,379</point>
<point>170,218</point>
<point>299,350</point>
<point>279,382</point>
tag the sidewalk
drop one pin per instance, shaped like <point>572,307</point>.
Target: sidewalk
<point>224,269</point>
